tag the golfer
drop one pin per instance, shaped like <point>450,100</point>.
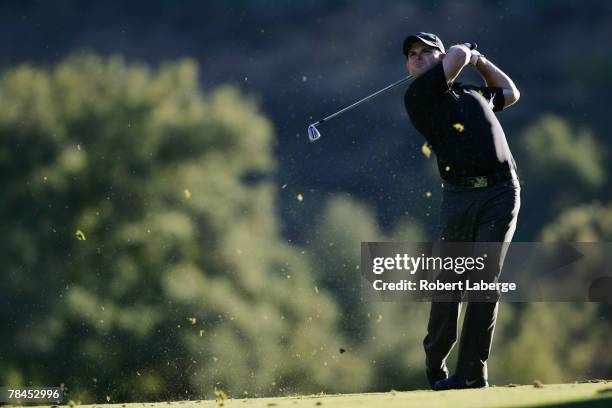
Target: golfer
<point>481,192</point>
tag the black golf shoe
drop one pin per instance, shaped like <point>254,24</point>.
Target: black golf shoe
<point>436,375</point>
<point>455,382</point>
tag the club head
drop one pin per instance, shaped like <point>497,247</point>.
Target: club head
<point>313,133</point>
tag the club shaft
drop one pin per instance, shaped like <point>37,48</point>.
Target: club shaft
<point>471,46</point>
<point>367,98</point>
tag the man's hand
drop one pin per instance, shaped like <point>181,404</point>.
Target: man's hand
<point>474,57</point>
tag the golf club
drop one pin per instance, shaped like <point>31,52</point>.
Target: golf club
<point>313,132</point>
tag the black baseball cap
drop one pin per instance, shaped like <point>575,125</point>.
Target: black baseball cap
<point>428,38</point>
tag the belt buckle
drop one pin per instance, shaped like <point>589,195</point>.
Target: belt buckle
<point>480,182</point>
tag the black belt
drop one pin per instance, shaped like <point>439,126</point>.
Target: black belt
<point>483,181</point>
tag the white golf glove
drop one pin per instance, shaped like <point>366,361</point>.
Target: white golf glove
<point>474,57</point>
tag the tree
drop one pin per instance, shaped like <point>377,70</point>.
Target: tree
<point>388,334</point>
<point>559,167</point>
<point>584,223</point>
<point>139,260</point>
<point>576,334</point>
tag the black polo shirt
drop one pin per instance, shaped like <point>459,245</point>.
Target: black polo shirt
<point>458,122</point>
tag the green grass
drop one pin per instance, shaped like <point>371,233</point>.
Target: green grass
<point>588,395</point>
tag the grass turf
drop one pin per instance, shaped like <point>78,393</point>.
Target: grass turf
<point>586,395</point>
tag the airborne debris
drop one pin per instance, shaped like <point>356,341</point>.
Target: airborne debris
<point>426,149</point>
<point>300,197</point>
<point>80,235</point>
<point>192,320</point>
<point>220,397</point>
<point>447,168</point>
<point>458,127</point>
<point>342,351</point>
<point>428,194</point>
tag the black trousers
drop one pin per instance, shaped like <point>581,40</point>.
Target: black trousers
<point>471,215</point>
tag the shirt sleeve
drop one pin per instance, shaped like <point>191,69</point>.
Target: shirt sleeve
<point>494,96</point>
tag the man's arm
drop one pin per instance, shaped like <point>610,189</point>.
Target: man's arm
<point>457,57</point>
<point>493,76</point>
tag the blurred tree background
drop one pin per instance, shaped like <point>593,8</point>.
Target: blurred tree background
<point>140,264</point>
<point>168,231</point>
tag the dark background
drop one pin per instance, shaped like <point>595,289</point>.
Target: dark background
<point>305,60</point>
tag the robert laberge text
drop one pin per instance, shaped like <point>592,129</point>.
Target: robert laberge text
<point>424,284</point>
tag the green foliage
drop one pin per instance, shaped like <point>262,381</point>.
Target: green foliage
<point>388,334</point>
<point>585,223</point>
<point>552,149</point>
<point>180,281</point>
<point>560,167</point>
<point>553,342</point>
<point>335,244</point>
<point>558,342</point>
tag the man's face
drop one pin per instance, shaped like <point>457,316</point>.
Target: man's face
<point>422,57</point>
